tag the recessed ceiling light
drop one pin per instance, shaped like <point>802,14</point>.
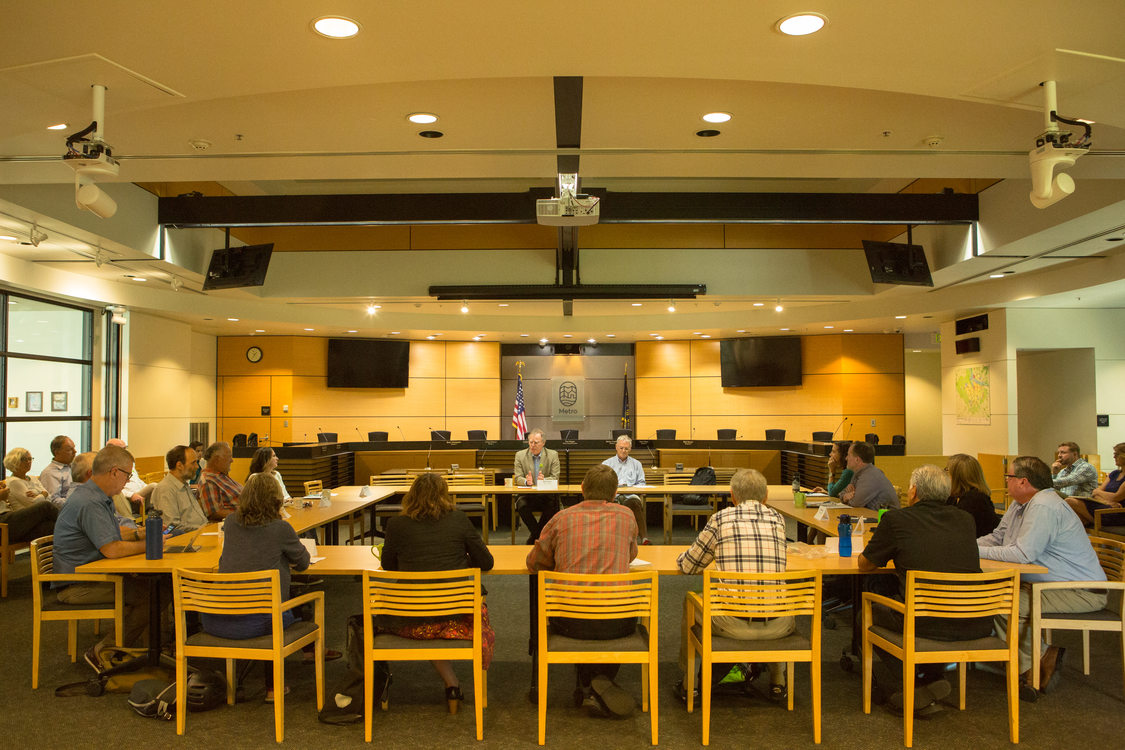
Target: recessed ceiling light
<point>654,334</point>
<point>659,338</point>
<point>260,330</point>
<point>995,275</point>
<point>783,329</point>
<point>372,308</point>
<point>476,338</point>
<point>9,237</point>
<point>848,330</point>
<point>741,330</point>
<point>829,327</point>
<point>542,341</point>
<point>592,341</point>
<point>717,117</point>
<point>671,306</point>
<point>567,335</point>
<point>611,335</point>
<point>57,126</point>
<point>523,335</point>
<point>464,307</point>
<point>233,320</point>
<point>353,331</point>
<point>502,304</point>
<point>916,351</point>
<point>696,333</point>
<point>778,307</point>
<point>310,329</point>
<point>135,278</point>
<point>900,317</point>
<point>395,333</point>
<point>800,24</point>
<point>759,304</point>
<point>422,118</point>
<point>706,336</point>
<point>335,27</point>
<point>430,338</point>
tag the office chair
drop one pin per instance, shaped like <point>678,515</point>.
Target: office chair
<point>665,434</point>
<point>478,434</point>
<point>569,435</point>
<point>871,438</point>
<point>728,434</point>
<point>775,434</point>
<point>252,440</point>
<point>326,437</point>
<point>898,439</point>
<point>442,435</point>
<point>618,433</point>
<point>377,437</point>
<point>238,441</point>
<point>822,436</point>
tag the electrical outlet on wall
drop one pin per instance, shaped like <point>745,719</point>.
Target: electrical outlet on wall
<point>872,422</point>
<point>285,423</point>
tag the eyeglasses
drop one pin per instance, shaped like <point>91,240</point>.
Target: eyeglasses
<point>118,468</point>
<point>1011,476</point>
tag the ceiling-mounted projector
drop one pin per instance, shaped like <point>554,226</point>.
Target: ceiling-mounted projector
<point>571,208</point>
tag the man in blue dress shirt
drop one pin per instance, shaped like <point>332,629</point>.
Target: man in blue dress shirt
<point>630,473</point>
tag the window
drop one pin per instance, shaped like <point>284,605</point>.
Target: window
<point>46,368</point>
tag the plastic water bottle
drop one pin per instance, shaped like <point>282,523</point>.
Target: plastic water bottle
<point>796,483</point>
<point>845,532</point>
<point>154,536</point>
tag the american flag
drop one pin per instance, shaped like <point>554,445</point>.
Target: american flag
<point>519,418</point>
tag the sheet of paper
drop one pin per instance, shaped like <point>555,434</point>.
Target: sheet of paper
<point>547,484</point>
<point>315,560</point>
<point>310,545</point>
<point>639,563</point>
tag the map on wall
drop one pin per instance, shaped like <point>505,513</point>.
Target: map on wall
<point>973,399</point>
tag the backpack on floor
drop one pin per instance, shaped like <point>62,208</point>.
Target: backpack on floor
<point>702,475</point>
<point>154,699</point>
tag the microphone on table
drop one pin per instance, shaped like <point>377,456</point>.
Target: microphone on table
<point>400,433</point>
<point>845,419</point>
<point>431,449</point>
<point>651,454</point>
<point>483,453</point>
<point>358,432</point>
<point>319,432</point>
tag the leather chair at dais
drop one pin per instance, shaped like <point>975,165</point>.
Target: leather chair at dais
<point>326,437</point>
<point>238,441</point>
<point>898,439</point>
<point>665,434</point>
<point>822,436</point>
<point>442,436</point>
<point>478,434</point>
<point>377,437</point>
<point>568,436</point>
<point>618,433</point>
<point>775,434</point>
<point>871,438</point>
<point>252,440</point>
<point>728,434</point>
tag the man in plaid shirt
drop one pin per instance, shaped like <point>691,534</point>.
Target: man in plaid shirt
<point>749,538</point>
<point>595,536</point>
<point>218,493</point>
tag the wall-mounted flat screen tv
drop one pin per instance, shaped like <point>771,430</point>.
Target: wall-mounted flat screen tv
<point>368,363</point>
<point>760,361</point>
<point>896,263</point>
<point>233,267</point>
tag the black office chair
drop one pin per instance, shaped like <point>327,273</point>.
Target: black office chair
<point>478,434</point>
<point>665,434</point>
<point>775,434</point>
<point>238,441</point>
<point>569,435</point>
<point>871,438</point>
<point>898,439</point>
<point>619,433</point>
<point>326,437</point>
<point>443,435</point>
<point>728,434</point>
<point>822,436</point>
<point>377,437</point>
<point>252,440</point>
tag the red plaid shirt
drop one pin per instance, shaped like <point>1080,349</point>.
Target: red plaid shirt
<point>218,492</point>
<point>591,537</point>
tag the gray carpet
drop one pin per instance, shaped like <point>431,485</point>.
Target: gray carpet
<point>1080,711</point>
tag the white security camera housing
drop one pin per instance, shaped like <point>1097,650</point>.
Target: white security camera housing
<point>1048,188</point>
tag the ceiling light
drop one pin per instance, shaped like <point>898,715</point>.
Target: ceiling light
<point>395,333</point>
<point>353,331</point>
<point>778,307</point>
<point>464,306</point>
<point>372,308</point>
<point>430,338</point>
<point>309,329</point>
<point>671,306</point>
<point>260,330</point>
<point>659,338</point>
<point>57,126</point>
<point>783,329</point>
<point>9,238</point>
<point>636,304</point>
<point>567,335</point>
<point>706,336</point>
<point>800,24</point>
<point>900,317</point>
<point>523,335</point>
<point>422,118</point>
<point>916,351</point>
<point>995,275</point>
<point>136,278</point>
<point>829,327</point>
<point>696,333</point>
<point>502,304</point>
<point>476,338</point>
<point>741,330</point>
<point>759,304</point>
<point>235,320</point>
<point>336,27</point>
<point>611,335</point>
<point>591,341</point>
<point>848,330</point>
<point>542,341</point>
<point>717,117</point>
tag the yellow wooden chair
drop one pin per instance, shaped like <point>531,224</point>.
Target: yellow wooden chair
<point>314,487</point>
<point>673,507</point>
<point>600,597</point>
<point>389,507</point>
<point>791,594</point>
<point>257,592</point>
<point>8,551</point>
<point>471,504</point>
<point>46,606</point>
<point>951,596</point>
<point>443,593</point>
<point>1111,555</point>
<point>1109,523</point>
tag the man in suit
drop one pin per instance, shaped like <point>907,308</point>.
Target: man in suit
<point>532,464</point>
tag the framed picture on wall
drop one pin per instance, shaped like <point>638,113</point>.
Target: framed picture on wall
<point>58,400</point>
<point>33,400</point>
<point>13,402</point>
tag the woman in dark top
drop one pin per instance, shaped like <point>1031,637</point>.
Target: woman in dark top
<point>838,467</point>
<point>198,448</point>
<point>1110,494</point>
<point>256,538</point>
<point>431,534</point>
<point>970,493</point>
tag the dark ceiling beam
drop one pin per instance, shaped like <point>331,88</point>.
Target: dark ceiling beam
<point>567,292</point>
<point>616,208</point>
<point>568,120</point>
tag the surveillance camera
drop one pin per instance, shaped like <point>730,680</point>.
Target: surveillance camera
<point>1048,188</point>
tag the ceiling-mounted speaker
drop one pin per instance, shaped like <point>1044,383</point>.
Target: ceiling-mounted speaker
<point>967,346</point>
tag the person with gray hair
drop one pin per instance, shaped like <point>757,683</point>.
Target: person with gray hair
<point>630,473</point>
<point>926,534</point>
<point>533,463</point>
<point>748,537</point>
<point>23,501</point>
<point>25,490</point>
<point>218,493</point>
<point>55,476</point>
<point>135,485</point>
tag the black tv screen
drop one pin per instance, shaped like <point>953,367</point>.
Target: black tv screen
<point>894,263</point>
<point>368,363</point>
<point>232,267</point>
<point>768,360</point>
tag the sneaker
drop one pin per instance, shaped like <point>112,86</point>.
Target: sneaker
<point>269,694</point>
<point>645,541</point>
<point>595,707</point>
<point>926,698</point>
<point>91,658</point>
<point>612,697</point>
<point>680,692</point>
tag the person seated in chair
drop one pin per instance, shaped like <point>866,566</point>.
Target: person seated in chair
<point>532,464</point>
<point>630,473</point>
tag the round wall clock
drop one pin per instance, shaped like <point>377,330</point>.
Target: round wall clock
<point>254,354</point>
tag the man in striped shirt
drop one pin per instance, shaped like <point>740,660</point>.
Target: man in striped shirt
<point>595,536</point>
<point>218,493</point>
<point>749,538</point>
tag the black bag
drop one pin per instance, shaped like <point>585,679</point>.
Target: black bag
<point>702,475</point>
<point>154,699</point>
<point>345,702</point>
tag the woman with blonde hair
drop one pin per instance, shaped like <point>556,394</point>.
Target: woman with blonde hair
<point>26,491</point>
<point>431,534</point>
<point>970,492</point>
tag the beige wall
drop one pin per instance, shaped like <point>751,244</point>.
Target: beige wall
<point>922,383</point>
<point>171,382</point>
<point>1056,400</point>
<point>999,436</point>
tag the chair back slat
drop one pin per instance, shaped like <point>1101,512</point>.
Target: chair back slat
<point>597,597</point>
<point>392,480</point>
<point>784,594</point>
<point>256,592</point>
<point>678,477</point>
<point>314,486</point>
<point>442,593</point>
<point>962,595</point>
<point>464,480</point>
<point>43,556</point>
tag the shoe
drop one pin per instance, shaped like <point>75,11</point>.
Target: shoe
<point>680,691</point>
<point>926,698</point>
<point>453,697</point>
<point>1028,694</point>
<point>308,657</point>
<point>91,658</point>
<point>616,700</point>
<point>269,694</point>
<point>1050,669</point>
<point>595,707</point>
<point>645,541</point>
<point>778,693</point>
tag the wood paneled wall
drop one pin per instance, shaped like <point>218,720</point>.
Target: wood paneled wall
<point>857,377</point>
<point>453,386</point>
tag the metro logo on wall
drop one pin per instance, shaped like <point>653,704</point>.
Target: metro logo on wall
<point>568,399</point>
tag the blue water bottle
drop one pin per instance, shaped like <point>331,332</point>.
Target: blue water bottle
<point>154,536</point>
<point>845,532</point>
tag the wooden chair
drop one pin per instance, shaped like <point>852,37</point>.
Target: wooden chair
<point>1111,555</point>
<point>791,594</point>
<point>600,597</point>
<point>46,606</point>
<point>953,596</point>
<point>672,508</point>
<point>445,593</point>
<point>1109,523</point>
<point>386,509</point>
<point>8,551</point>
<point>314,487</point>
<point>472,505</point>
<point>256,592</point>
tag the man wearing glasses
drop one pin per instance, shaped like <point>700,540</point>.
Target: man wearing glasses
<point>87,530</point>
<point>1040,528</point>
